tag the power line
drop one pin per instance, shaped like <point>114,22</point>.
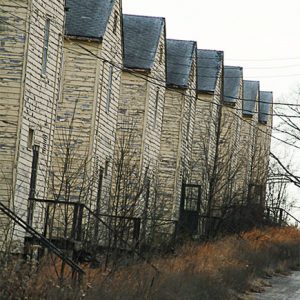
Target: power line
<point>264,59</point>
<point>82,4</point>
<point>275,103</point>
<point>143,58</point>
<point>163,85</point>
<point>39,37</point>
<point>133,72</point>
<point>206,58</point>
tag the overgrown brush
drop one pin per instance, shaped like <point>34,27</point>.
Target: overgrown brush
<point>216,270</point>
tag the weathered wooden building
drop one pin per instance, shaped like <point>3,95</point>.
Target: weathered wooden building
<point>177,127</point>
<point>31,34</point>
<point>228,161</point>
<point>207,121</point>
<point>86,120</point>
<point>247,138</point>
<point>260,165</point>
<point>140,114</point>
<point>99,108</point>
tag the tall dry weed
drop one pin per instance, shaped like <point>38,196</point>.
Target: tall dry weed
<point>216,270</point>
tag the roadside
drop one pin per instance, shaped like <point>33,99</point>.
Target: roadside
<point>281,287</point>
<point>222,269</point>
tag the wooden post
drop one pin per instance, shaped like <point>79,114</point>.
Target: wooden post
<point>136,230</point>
<point>280,216</point>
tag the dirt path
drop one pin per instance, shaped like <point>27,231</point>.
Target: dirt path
<point>283,288</point>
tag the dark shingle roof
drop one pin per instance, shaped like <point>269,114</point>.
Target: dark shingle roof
<point>232,80</point>
<point>179,61</point>
<point>141,40</point>
<point>250,96</point>
<point>88,18</point>
<point>209,63</point>
<point>266,100</point>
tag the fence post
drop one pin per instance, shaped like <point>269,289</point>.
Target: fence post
<point>41,251</point>
<point>136,230</point>
<point>74,223</point>
<point>280,216</point>
<point>268,214</point>
<point>175,233</point>
<point>79,222</point>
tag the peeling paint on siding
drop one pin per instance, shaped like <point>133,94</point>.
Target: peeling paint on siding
<point>32,97</point>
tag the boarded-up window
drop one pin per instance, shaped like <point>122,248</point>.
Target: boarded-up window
<point>161,54</point>
<point>116,19</point>
<point>193,68</point>
<point>30,138</point>
<point>188,126</point>
<point>255,193</point>
<point>97,163</point>
<point>45,144</point>
<point>34,170</point>
<point>192,197</point>
<point>46,46</point>
<point>156,106</point>
<point>106,167</point>
<point>109,89</point>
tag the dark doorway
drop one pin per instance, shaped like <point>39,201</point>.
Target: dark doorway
<point>190,209</point>
<point>33,180</point>
<point>98,203</point>
<point>255,194</point>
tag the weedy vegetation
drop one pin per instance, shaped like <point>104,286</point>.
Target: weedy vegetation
<point>220,269</point>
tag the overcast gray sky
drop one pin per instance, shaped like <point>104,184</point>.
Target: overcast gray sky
<point>262,36</point>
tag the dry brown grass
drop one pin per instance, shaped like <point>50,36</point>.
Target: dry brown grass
<point>216,270</point>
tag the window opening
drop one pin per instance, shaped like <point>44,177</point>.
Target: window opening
<point>161,53</point>
<point>109,90</point>
<point>156,106</point>
<point>33,181</point>
<point>46,46</point>
<point>188,127</point>
<point>45,142</point>
<point>30,139</point>
<point>116,19</point>
<point>192,197</point>
<point>106,167</point>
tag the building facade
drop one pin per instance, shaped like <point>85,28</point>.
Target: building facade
<point>86,120</point>
<point>140,115</point>
<point>210,71</point>
<point>228,161</point>
<point>99,108</point>
<point>177,126</point>
<point>31,37</point>
<point>261,157</point>
<point>247,138</point>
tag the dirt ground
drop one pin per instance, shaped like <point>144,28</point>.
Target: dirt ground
<point>282,288</point>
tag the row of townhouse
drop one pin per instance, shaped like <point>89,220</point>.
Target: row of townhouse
<point>101,108</point>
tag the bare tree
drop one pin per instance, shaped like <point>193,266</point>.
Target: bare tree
<point>289,130</point>
<point>220,168</point>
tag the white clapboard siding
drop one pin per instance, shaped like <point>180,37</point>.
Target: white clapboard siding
<point>86,83</point>
<point>176,144</point>
<point>27,96</point>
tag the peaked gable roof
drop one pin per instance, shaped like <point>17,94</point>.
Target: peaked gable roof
<point>87,18</point>
<point>250,96</point>
<point>179,62</point>
<point>141,40</point>
<point>209,63</point>
<point>232,80</point>
<point>265,103</point>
